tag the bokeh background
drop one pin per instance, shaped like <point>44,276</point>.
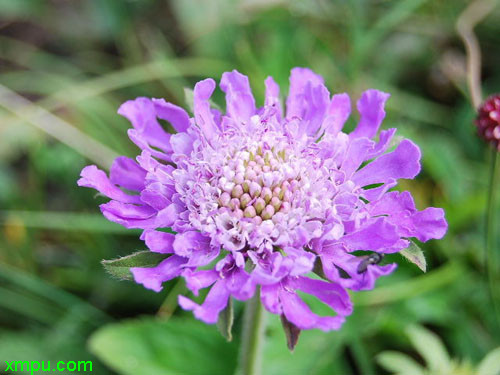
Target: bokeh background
<point>65,67</point>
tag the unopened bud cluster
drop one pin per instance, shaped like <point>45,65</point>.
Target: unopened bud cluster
<point>488,120</point>
<point>257,183</point>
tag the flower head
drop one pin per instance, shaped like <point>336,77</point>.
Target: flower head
<point>259,197</point>
<point>488,121</point>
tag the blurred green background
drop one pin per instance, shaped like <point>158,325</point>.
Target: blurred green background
<point>65,67</point>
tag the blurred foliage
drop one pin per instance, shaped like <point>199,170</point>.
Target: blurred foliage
<point>79,60</point>
<point>177,346</point>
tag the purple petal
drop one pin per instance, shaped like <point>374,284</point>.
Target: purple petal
<point>383,143</point>
<point>371,108</point>
<point>376,236</point>
<point>338,113</point>
<point>308,100</point>
<point>317,99</point>
<point>196,280</point>
<point>129,215</point>
<point>393,203</point>
<point>367,279</point>
<point>272,272</point>
<point>306,232</point>
<point>303,261</point>
<point>239,284</point>
<point>297,312</point>
<point>332,294</point>
<point>345,204</point>
<point>273,95</point>
<point>167,217</point>
<point>403,162</point>
<point>356,155</point>
<point>188,242</point>
<point>332,254</point>
<point>430,224</point>
<point>141,142</point>
<point>299,79</point>
<point>159,242</point>
<point>94,178</point>
<point>375,194</point>
<point>127,173</point>
<point>217,116</point>
<point>203,115</point>
<point>182,143</point>
<point>147,162</point>
<point>269,295</point>
<point>215,302</point>
<point>157,195</point>
<point>153,277</point>
<point>400,208</point>
<point>131,211</point>
<point>334,147</point>
<point>240,103</point>
<point>177,116</point>
<point>203,258</point>
<point>335,258</point>
<point>147,131</point>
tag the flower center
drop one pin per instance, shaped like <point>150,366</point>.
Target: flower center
<point>257,190</point>
<point>254,186</point>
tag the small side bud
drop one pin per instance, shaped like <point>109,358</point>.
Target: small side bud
<point>246,186</point>
<point>244,200</point>
<point>276,203</point>
<point>224,199</point>
<point>249,212</point>
<point>268,212</point>
<point>255,189</point>
<point>234,203</point>
<point>259,205</point>
<point>292,333</point>
<point>266,194</point>
<point>237,191</point>
<point>488,121</point>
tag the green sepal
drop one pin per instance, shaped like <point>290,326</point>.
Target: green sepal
<point>292,332</point>
<point>226,319</point>
<point>120,267</point>
<point>415,255</point>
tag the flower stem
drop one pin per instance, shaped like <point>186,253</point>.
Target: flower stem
<point>253,337</point>
<point>468,19</point>
<point>168,306</point>
<point>490,237</point>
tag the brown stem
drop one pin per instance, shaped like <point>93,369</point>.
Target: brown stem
<point>466,22</point>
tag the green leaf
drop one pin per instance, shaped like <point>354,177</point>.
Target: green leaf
<point>415,255</point>
<point>490,365</point>
<point>399,363</point>
<point>226,319</point>
<point>317,353</point>
<point>120,267</point>
<point>431,348</point>
<point>155,347</point>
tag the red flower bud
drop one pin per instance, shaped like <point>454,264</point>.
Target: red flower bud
<point>488,121</point>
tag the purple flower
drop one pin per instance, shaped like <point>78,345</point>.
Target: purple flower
<point>260,197</point>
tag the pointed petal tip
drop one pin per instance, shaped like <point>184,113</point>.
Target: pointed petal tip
<point>307,74</point>
<point>205,87</point>
<point>141,276</point>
